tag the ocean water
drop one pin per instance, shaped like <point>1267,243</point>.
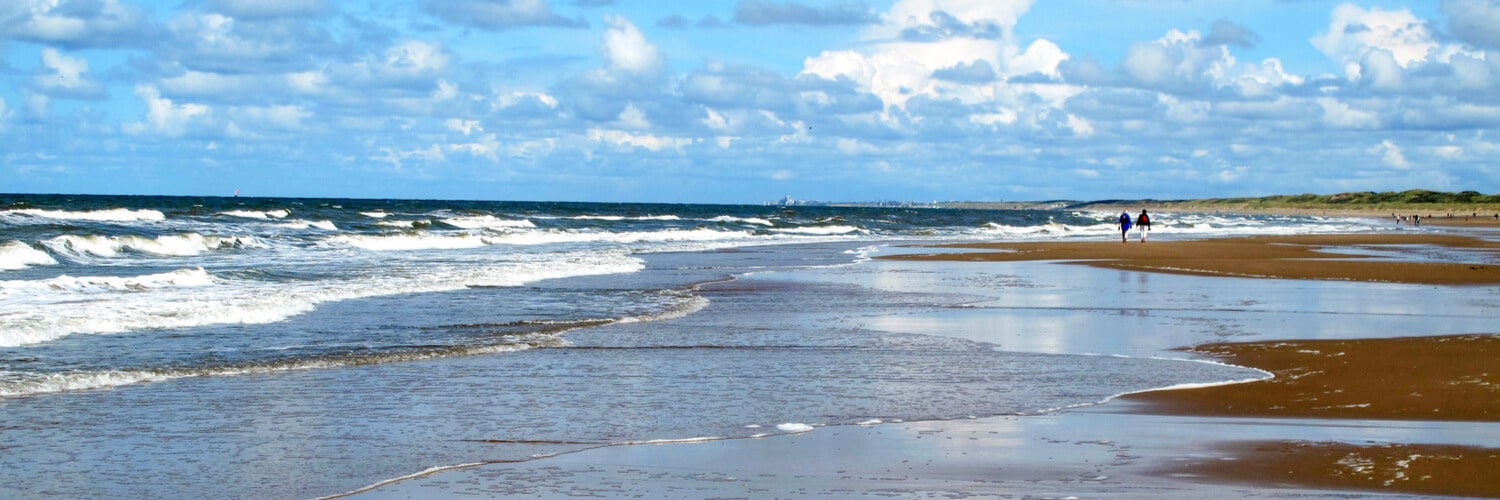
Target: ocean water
<point>308,347</point>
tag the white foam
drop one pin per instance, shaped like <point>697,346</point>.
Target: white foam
<point>403,224</point>
<point>488,222</point>
<point>743,220</point>
<point>821,230</point>
<point>326,225</point>
<point>251,214</point>
<point>111,215</point>
<point>43,383</point>
<point>17,255</point>
<point>405,241</point>
<point>794,428</point>
<point>178,245</point>
<point>39,311</point>
<point>618,218</point>
<point>627,237</point>
<point>375,215</point>
<point>97,284</point>
<point>690,305</point>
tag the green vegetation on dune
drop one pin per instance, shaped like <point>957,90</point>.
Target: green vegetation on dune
<point>1414,200</point>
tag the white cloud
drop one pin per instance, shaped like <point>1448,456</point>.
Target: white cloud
<point>1339,114</point>
<point>1080,126</point>
<point>415,58</point>
<point>1391,154</point>
<point>1354,33</point>
<point>283,117</point>
<point>644,141</point>
<point>714,120</point>
<point>99,23</point>
<point>1448,152</point>
<point>307,82</point>
<point>633,118</point>
<point>199,83</point>
<point>1182,63</point>
<point>468,127</point>
<point>1232,174</point>
<point>64,76</point>
<point>486,147</point>
<point>626,49</point>
<point>512,99</point>
<point>164,116</point>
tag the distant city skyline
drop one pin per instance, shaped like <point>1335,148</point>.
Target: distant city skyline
<point>747,101</point>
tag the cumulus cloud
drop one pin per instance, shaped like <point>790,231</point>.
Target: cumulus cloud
<point>626,49</point>
<point>77,24</point>
<point>61,76</point>
<point>1391,155</point>
<point>968,72</point>
<point>163,116</point>
<point>927,86</point>
<point>215,42</point>
<point>498,15</point>
<point>1185,63</point>
<point>898,67</point>
<point>1475,22</point>
<point>768,12</point>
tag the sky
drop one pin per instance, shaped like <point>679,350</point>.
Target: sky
<point>745,101</point>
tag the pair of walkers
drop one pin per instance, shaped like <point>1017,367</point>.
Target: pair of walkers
<point>1143,220</point>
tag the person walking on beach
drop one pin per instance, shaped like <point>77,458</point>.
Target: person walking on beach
<point>1144,222</point>
<point>1124,225</point>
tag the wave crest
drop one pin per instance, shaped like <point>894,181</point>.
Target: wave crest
<point>17,255</point>
<point>110,215</point>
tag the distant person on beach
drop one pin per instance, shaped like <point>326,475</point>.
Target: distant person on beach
<point>1124,225</point>
<point>1144,222</point>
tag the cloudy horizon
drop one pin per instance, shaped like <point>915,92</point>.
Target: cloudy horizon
<point>749,100</point>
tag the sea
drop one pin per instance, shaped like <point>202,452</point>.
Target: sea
<point>303,348</point>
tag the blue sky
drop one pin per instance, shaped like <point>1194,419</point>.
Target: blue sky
<point>749,100</point>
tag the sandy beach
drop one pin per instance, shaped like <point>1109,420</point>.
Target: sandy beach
<point>1394,407</point>
<point>1326,257</point>
<point>1432,378</point>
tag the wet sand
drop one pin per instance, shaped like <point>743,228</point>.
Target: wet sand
<point>1431,378</point>
<point>1287,257</point>
<point>1417,379</point>
<point>1382,416</point>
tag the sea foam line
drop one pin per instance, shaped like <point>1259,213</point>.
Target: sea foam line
<point>32,384</point>
<point>110,215</point>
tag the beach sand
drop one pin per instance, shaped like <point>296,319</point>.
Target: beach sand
<point>1419,379</point>
<point>1372,417</point>
<point>1289,257</point>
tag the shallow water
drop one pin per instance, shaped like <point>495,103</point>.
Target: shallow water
<point>299,348</point>
<point>764,351</point>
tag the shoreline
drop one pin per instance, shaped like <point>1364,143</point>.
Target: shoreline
<point>1440,378</point>
<point>1122,448</point>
